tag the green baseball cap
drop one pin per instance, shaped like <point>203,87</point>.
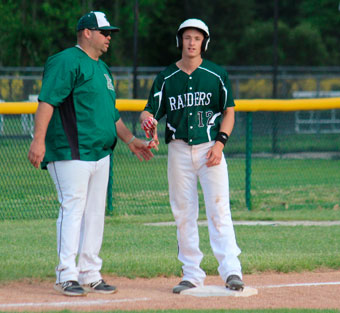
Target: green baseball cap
<point>95,20</point>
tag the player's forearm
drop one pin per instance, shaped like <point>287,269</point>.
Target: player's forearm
<point>42,119</point>
<point>228,121</point>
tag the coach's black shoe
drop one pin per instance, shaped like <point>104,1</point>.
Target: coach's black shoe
<point>100,287</point>
<point>234,282</point>
<point>70,288</point>
<point>183,285</point>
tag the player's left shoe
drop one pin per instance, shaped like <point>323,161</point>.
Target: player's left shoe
<point>234,282</point>
<point>183,285</point>
<point>100,287</point>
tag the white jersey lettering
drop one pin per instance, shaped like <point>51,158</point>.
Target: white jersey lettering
<point>197,99</point>
<point>189,99</point>
<point>209,94</point>
<point>172,102</point>
<point>181,104</point>
<point>202,97</point>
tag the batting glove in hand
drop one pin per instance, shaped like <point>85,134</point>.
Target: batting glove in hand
<point>152,144</point>
<point>149,125</point>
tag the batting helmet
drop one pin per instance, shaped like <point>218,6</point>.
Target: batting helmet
<point>193,23</point>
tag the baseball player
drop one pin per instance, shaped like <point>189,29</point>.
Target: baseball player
<point>195,96</point>
<point>76,129</point>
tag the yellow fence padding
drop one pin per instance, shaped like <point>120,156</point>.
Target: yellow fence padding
<point>242,105</point>
<point>247,105</point>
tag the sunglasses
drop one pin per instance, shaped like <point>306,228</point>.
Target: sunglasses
<point>104,32</point>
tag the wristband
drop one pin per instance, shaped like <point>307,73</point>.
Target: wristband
<point>132,139</point>
<point>222,137</point>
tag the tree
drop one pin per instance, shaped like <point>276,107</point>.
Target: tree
<point>305,46</point>
<point>37,30</point>
<point>241,31</point>
<point>325,17</point>
<point>227,20</point>
<point>256,45</point>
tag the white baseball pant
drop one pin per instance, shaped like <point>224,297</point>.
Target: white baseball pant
<point>185,165</point>
<point>81,187</point>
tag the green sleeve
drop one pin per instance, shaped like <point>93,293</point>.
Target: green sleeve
<point>58,79</point>
<point>117,115</point>
<point>155,104</point>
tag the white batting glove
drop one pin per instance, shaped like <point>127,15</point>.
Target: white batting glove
<point>149,125</point>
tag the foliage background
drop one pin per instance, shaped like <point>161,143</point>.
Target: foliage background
<point>241,31</point>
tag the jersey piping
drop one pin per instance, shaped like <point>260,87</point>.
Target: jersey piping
<point>219,77</point>
<point>161,91</point>
<point>212,122</point>
<point>172,129</point>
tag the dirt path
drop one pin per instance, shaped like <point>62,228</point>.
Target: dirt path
<point>318,290</point>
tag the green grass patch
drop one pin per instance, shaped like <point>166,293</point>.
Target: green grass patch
<point>132,249</point>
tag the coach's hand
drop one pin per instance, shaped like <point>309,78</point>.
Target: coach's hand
<point>43,116</point>
<point>140,149</point>
<point>36,153</point>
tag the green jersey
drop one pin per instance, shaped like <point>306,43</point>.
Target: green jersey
<point>83,125</point>
<point>193,104</point>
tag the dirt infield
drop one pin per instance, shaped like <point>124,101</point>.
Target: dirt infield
<point>318,290</point>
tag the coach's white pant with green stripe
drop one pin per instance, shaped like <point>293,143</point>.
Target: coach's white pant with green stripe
<point>81,187</point>
<point>187,164</point>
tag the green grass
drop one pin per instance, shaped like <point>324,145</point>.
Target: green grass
<point>132,249</point>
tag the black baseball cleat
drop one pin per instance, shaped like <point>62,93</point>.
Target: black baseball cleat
<point>70,288</point>
<point>183,285</point>
<point>100,287</point>
<point>234,282</point>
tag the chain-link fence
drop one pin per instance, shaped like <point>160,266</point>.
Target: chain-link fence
<point>295,155</point>
<point>248,82</point>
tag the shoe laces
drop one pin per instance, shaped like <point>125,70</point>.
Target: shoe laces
<point>97,283</point>
<point>69,283</point>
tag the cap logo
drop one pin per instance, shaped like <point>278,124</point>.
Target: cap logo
<point>101,19</point>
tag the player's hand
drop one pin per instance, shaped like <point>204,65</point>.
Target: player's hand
<point>36,153</point>
<point>148,125</point>
<point>214,155</point>
<point>141,149</point>
<point>153,144</point>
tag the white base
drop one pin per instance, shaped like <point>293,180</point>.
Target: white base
<point>218,291</point>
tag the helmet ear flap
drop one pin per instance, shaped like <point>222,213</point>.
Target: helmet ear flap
<point>205,43</point>
<point>179,41</point>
